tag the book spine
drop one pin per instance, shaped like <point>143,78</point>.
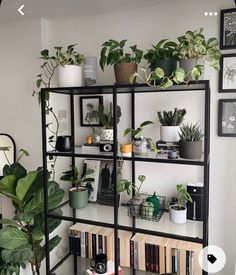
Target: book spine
<point>173,259</point>
<point>86,245</point>
<point>151,258</point>
<point>187,262</point>
<point>94,246</point>
<point>105,244</point>
<point>132,253</point>
<point>135,255</point>
<point>78,245</point>
<point>71,245</point>
<point>156,259</point>
<point>83,244</point>
<point>147,255</point>
<point>118,252</point>
<point>100,244</point>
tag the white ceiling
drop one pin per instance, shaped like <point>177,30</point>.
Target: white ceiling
<point>57,8</point>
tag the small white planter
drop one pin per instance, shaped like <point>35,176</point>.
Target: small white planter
<point>178,216</point>
<point>107,134</point>
<point>169,133</point>
<point>70,76</point>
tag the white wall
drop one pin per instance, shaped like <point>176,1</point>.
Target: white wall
<point>21,45</point>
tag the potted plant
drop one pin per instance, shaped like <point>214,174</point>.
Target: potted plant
<point>139,142</point>
<point>137,200</point>
<point>125,64</point>
<point>78,194</point>
<point>193,47</point>
<point>107,121</point>
<point>190,144</point>
<point>170,122</point>
<point>22,238</point>
<point>178,212</point>
<point>163,55</point>
<point>70,69</point>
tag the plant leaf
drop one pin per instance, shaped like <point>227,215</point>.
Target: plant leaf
<point>12,238</point>
<point>24,184</point>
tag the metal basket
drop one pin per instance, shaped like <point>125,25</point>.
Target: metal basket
<point>146,212</point>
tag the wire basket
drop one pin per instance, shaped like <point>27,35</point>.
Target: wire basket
<point>145,212</point>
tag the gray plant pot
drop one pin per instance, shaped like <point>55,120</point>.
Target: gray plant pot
<point>78,199</point>
<point>187,65</point>
<point>190,149</point>
<point>136,205</point>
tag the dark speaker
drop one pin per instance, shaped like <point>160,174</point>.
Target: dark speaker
<point>195,209</point>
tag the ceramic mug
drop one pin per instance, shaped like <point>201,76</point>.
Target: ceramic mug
<point>99,263</point>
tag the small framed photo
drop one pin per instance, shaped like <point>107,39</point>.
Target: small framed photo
<point>227,118</point>
<point>89,110</point>
<point>227,79</point>
<point>228,29</point>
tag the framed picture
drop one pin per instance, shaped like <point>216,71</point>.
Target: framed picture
<point>106,192</point>
<point>228,29</point>
<point>227,118</point>
<point>89,110</point>
<point>227,79</point>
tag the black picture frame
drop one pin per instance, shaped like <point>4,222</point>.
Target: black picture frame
<point>227,26</point>
<point>84,100</point>
<point>227,118</point>
<point>227,77</point>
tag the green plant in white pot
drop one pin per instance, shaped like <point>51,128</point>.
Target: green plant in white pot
<point>170,122</point>
<point>194,49</point>
<point>190,144</point>
<point>70,66</point>
<point>178,212</point>
<point>139,141</point>
<point>79,193</point>
<point>125,64</point>
<point>107,120</point>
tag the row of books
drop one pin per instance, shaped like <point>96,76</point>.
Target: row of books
<point>142,252</point>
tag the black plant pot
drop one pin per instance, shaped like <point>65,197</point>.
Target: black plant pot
<point>168,65</point>
<point>190,149</point>
<point>64,144</point>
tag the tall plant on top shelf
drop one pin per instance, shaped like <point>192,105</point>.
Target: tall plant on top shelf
<point>50,64</point>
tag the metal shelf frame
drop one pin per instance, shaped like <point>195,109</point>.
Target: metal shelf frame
<point>115,90</point>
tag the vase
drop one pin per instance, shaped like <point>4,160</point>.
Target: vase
<point>107,134</point>
<point>90,71</point>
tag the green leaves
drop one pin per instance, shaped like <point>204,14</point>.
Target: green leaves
<point>12,238</point>
<point>172,118</point>
<point>183,195</point>
<point>137,132</point>
<point>24,184</point>
<point>15,169</point>
<point>191,132</point>
<point>112,53</point>
<point>19,255</point>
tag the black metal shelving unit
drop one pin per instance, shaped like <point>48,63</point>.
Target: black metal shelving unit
<point>115,90</point>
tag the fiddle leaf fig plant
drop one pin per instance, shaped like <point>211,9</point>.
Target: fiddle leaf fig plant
<point>113,53</point>
<point>22,239</point>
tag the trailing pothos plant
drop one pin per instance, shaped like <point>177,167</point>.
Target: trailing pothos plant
<point>22,238</point>
<point>50,63</point>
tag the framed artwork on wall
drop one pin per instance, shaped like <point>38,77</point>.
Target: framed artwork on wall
<point>227,118</point>
<point>227,79</point>
<point>228,29</point>
<point>89,110</point>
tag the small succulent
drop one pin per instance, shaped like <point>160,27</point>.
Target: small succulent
<point>107,119</point>
<point>172,118</point>
<point>191,132</point>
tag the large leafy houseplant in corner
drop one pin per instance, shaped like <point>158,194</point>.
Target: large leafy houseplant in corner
<point>21,239</point>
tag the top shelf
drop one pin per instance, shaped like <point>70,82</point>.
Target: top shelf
<point>202,85</point>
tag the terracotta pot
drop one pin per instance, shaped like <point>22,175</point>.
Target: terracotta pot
<point>123,71</point>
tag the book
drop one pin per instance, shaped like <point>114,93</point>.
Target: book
<point>110,269</point>
<point>95,165</point>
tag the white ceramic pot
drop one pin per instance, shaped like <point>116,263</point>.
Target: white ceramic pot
<point>178,216</point>
<point>70,76</point>
<point>169,133</point>
<point>107,134</point>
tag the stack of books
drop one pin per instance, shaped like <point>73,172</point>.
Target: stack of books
<point>142,252</point>
<point>110,269</point>
<point>90,149</point>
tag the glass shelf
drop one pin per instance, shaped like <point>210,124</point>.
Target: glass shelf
<point>150,157</point>
<point>102,215</point>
